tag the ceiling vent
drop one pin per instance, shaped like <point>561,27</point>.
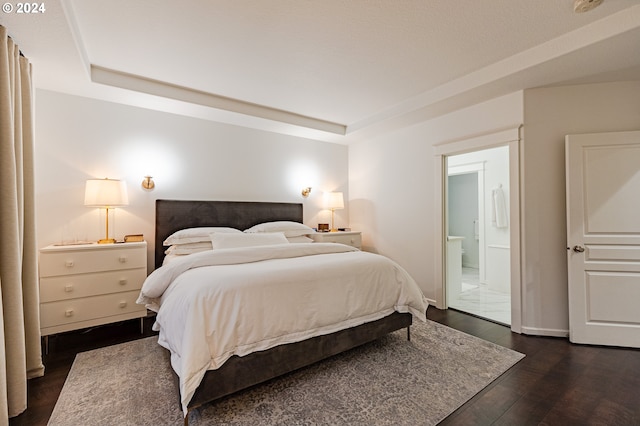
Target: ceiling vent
<point>580,6</point>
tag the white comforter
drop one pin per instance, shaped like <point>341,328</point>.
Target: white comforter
<point>216,304</point>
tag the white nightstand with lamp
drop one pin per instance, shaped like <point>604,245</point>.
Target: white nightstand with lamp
<point>85,285</point>
<point>335,201</point>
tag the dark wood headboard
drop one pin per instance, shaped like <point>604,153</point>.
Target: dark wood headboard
<point>173,215</point>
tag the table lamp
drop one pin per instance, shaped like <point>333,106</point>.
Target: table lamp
<point>106,194</point>
<point>334,201</point>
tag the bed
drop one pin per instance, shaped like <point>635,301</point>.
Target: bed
<point>246,368</point>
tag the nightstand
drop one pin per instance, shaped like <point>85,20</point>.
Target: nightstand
<point>90,284</point>
<point>350,238</point>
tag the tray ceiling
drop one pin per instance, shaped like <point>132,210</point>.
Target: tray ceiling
<point>330,70</point>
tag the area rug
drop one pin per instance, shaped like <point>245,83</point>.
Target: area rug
<point>391,381</point>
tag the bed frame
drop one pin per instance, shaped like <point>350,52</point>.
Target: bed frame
<point>239,373</point>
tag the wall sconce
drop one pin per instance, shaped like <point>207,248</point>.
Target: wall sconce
<point>306,191</point>
<point>580,6</point>
<point>148,183</point>
<point>106,194</point>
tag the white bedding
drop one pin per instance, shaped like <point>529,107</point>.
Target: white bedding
<point>216,304</point>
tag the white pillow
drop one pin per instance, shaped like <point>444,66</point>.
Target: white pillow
<point>300,239</point>
<point>189,248</point>
<point>290,229</point>
<point>196,235</point>
<point>223,241</point>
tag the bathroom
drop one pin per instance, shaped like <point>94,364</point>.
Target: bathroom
<point>478,252</point>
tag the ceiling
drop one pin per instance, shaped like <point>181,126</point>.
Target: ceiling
<point>333,70</point>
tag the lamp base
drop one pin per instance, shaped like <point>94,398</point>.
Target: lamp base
<point>106,241</point>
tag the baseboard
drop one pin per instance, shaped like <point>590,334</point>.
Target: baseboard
<point>535,331</point>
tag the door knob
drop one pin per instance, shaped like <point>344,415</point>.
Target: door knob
<point>578,249</point>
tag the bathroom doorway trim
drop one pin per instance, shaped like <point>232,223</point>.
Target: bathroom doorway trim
<point>478,169</point>
<point>512,139</point>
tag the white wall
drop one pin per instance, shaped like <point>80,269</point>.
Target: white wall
<point>391,183</point>
<point>550,114</point>
<point>389,180</point>
<point>79,138</point>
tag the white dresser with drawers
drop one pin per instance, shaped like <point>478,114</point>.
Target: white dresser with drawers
<point>90,284</point>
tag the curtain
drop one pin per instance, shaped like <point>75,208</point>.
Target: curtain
<point>20,350</point>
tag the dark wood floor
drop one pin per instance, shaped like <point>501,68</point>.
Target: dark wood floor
<point>557,383</point>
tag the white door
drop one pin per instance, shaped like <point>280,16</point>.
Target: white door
<point>603,238</point>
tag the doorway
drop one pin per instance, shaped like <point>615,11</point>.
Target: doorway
<point>442,153</point>
<point>477,223</point>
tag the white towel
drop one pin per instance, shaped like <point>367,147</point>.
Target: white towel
<point>498,208</point>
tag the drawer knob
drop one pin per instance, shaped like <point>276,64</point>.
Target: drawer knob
<point>123,259</point>
<point>68,288</point>
<point>123,281</point>
<point>68,313</point>
<point>123,304</point>
<point>69,263</point>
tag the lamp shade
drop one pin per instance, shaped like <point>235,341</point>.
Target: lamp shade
<point>334,200</point>
<point>105,193</point>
